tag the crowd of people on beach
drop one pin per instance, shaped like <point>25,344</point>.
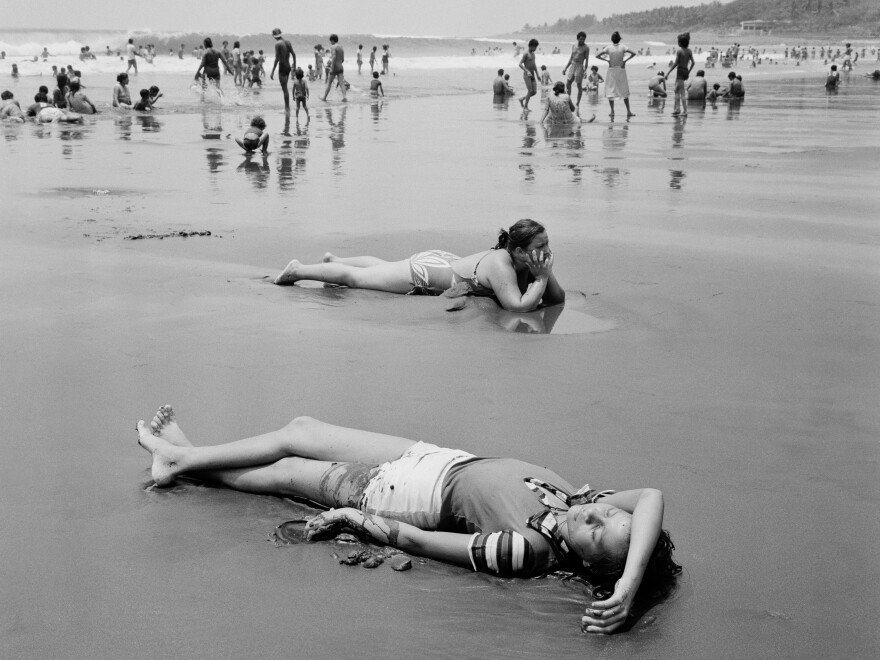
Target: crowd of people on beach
<point>560,108</point>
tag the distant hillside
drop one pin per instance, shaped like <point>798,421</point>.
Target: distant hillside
<point>850,17</point>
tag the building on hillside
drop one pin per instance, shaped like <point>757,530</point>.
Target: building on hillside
<point>756,27</point>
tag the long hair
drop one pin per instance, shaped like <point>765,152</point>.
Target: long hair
<point>519,235</point>
<point>661,573</point>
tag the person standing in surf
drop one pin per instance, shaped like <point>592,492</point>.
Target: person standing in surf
<point>576,68</point>
<point>283,54</point>
<point>530,73</point>
<point>211,59</point>
<point>616,84</point>
<point>337,56</point>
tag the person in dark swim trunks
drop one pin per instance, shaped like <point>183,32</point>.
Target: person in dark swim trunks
<point>495,515</point>
<point>283,54</point>
<point>210,64</point>
<point>518,271</point>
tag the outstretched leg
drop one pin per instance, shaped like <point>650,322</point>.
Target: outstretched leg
<point>304,437</point>
<point>391,276</point>
<point>358,262</point>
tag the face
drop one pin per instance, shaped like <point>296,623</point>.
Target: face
<point>595,530</point>
<point>538,243</point>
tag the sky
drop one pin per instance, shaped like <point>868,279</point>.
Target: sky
<point>454,18</point>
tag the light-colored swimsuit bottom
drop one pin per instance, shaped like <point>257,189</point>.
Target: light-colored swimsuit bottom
<point>410,489</point>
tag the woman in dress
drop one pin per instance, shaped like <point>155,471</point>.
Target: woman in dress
<point>616,83</point>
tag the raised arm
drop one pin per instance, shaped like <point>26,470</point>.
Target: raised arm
<point>445,546</point>
<point>646,506</point>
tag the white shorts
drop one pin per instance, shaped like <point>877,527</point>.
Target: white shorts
<point>410,489</point>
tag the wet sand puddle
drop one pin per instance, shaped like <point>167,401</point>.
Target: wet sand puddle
<point>572,318</point>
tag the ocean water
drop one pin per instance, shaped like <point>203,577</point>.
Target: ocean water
<point>720,342</point>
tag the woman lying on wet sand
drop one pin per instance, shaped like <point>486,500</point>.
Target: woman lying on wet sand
<point>518,271</point>
<point>496,515</point>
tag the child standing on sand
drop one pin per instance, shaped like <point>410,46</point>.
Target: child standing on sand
<point>376,86</point>
<point>255,137</point>
<point>301,92</point>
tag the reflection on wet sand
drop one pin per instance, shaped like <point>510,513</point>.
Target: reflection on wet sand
<point>613,142</point>
<point>733,108</point>
<point>257,169</point>
<point>376,109</point>
<point>530,139</point>
<point>337,136</point>
<point>149,123</point>
<point>212,123</point>
<point>123,126</point>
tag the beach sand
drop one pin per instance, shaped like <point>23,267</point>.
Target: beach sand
<point>720,343</point>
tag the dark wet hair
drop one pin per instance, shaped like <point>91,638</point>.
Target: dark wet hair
<point>701,73</point>
<point>533,43</point>
<point>615,37</point>
<point>6,95</point>
<point>519,235</point>
<point>40,97</point>
<point>208,42</point>
<point>684,39</point>
<point>581,34</point>
<point>145,93</point>
<point>558,87</point>
<point>500,72</point>
<point>259,122</point>
<point>73,86</point>
<point>299,73</point>
<point>731,75</point>
<point>121,77</point>
<point>154,90</point>
<point>235,44</point>
<point>661,573</point>
<point>43,89</point>
<point>333,38</point>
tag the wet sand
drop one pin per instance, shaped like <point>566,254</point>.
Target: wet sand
<point>720,342</point>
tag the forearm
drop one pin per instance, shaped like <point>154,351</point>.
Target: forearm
<point>647,519</point>
<point>554,293</point>
<point>445,546</point>
<point>530,300</point>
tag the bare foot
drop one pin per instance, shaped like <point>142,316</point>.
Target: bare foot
<point>164,425</point>
<point>328,257</point>
<point>591,119</point>
<point>165,465</point>
<point>630,114</point>
<point>288,275</point>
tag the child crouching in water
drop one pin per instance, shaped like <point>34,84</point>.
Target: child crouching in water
<point>255,137</point>
<point>301,92</point>
<point>376,86</point>
<point>594,79</point>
